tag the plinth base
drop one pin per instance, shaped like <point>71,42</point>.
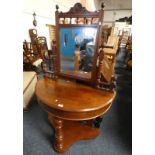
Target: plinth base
<point>68,132</point>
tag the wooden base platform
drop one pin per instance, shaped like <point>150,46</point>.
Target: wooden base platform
<point>68,132</point>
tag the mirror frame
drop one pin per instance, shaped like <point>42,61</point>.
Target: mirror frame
<point>79,12</point>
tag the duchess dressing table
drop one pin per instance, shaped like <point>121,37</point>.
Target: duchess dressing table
<point>72,99</point>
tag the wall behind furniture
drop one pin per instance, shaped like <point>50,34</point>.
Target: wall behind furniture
<point>115,9</point>
<point>89,4</point>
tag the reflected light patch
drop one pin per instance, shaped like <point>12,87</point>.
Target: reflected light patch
<point>60,105</point>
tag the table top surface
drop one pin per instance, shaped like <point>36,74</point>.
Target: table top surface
<point>71,96</point>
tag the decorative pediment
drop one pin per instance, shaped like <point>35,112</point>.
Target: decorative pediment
<point>78,8</point>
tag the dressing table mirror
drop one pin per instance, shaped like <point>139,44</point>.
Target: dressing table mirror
<point>77,35</point>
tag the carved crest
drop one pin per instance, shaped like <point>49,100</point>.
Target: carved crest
<point>77,8</point>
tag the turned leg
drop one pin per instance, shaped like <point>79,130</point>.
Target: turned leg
<point>58,123</point>
<point>58,126</point>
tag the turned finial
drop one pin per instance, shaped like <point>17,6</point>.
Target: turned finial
<point>57,7</point>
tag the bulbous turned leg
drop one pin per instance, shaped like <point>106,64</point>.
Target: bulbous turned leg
<point>58,124</point>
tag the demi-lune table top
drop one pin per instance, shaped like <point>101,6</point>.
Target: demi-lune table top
<point>71,96</point>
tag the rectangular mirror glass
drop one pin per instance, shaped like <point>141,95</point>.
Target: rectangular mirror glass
<point>77,48</point>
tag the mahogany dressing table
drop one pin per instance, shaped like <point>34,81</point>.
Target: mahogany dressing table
<point>74,109</point>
